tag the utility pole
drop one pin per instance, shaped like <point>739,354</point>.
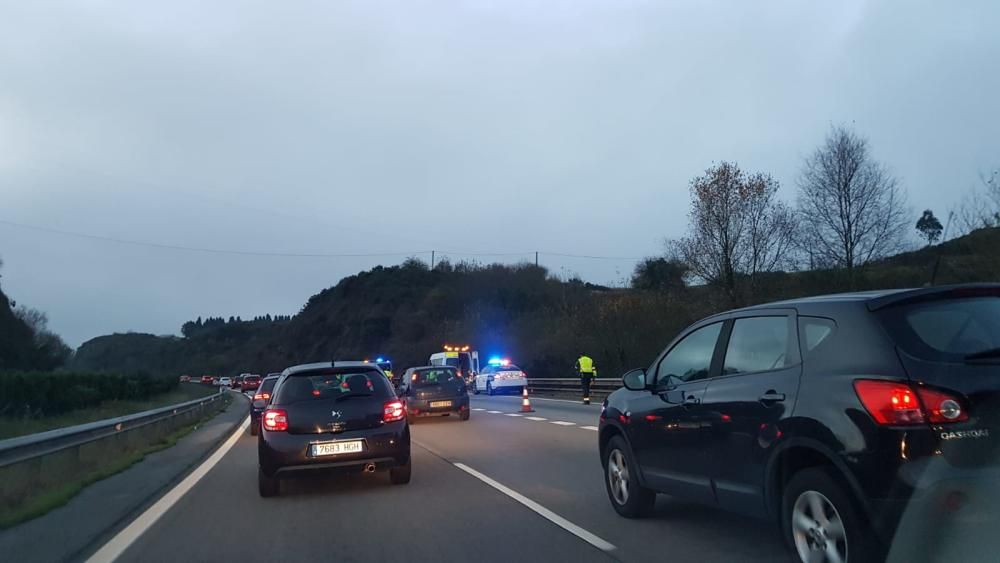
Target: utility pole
<point>536,258</point>
<point>432,259</point>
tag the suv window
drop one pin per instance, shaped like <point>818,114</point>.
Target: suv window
<point>425,378</point>
<point>267,385</point>
<point>333,383</point>
<point>691,358</point>
<point>813,331</point>
<point>757,344</point>
<point>946,330</point>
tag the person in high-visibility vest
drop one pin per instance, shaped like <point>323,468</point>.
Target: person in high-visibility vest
<point>585,368</point>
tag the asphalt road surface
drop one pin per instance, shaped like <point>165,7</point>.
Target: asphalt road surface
<point>452,510</point>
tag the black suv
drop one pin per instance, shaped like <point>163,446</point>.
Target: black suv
<point>864,424</point>
<point>332,417</point>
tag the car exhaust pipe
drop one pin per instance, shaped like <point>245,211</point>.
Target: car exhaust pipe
<point>369,468</point>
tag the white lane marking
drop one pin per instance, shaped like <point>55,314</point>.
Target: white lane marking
<point>540,510</point>
<point>478,409</point>
<point>513,414</point>
<point>495,412</point>
<point>125,538</point>
<point>535,418</point>
<point>562,423</point>
<point>594,428</point>
<point>594,402</point>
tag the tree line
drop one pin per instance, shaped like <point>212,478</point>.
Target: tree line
<point>850,210</point>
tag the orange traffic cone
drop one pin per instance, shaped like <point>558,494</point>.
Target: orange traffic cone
<point>525,403</point>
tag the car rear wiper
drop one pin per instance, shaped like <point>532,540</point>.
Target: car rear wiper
<point>984,355</point>
<point>348,395</point>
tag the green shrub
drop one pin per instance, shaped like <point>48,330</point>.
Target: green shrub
<point>38,394</point>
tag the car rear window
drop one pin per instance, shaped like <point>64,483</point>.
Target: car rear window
<point>945,330</point>
<point>252,379</point>
<point>267,385</point>
<point>333,383</point>
<point>425,378</point>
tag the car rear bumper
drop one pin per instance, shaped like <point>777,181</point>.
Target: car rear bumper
<point>283,453</point>
<point>420,407</point>
<point>508,384</point>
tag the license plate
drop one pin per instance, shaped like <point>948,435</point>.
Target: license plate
<point>335,448</point>
<point>439,404</point>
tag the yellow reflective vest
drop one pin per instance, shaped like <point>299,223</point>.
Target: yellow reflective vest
<point>585,364</point>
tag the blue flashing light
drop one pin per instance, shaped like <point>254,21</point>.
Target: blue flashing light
<point>379,359</point>
<point>494,361</point>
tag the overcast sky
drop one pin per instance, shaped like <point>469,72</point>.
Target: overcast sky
<point>367,127</point>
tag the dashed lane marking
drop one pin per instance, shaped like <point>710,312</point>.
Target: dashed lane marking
<point>512,414</point>
<point>535,418</point>
<point>594,428</point>
<point>478,409</point>
<point>541,510</point>
<point>495,412</point>
<point>563,423</point>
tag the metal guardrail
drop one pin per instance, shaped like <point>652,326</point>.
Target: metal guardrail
<point>22,448</point>
<point>599,387</point>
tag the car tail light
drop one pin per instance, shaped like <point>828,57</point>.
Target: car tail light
<point>275,420</point>
<point>941,407</point>
<point>261,396</point>
<point>893,404</point>
<point>393,411</point>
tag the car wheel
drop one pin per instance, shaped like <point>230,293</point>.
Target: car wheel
<point>253,429</point>
<point>489,388</point>
<point>628,497</point>
<point>401,475</point>
<point>821,523</point>
<point>266,486</point>
<point>465,415</point>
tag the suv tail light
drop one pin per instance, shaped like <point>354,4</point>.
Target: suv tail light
<point>892,403</point>
<point>261,396</point>
<point>393,411</point>
<point>275,420</point>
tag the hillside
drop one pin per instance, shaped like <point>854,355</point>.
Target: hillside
<point>407,312</point>
<point>17,346</point>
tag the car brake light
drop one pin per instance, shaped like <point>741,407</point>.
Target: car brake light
<point>893,403</point>
<point>275,420</point>
<point>393,411</point>
<point>261,396</point>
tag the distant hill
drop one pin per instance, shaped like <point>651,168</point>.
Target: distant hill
<point>409,311</point>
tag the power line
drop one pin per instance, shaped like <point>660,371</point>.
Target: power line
<point>210,250</point>
<point>89,236</point>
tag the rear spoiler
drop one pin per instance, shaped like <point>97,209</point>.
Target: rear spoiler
<point>934,293</point>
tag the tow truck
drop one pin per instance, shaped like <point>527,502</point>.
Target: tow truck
<point>461,357</point>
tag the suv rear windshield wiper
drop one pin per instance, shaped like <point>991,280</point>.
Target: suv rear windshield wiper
<point>984,355</point>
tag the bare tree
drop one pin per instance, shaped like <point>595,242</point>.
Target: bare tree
<point>738,228</point>
<point>981,207</point>
<point>851,208</point>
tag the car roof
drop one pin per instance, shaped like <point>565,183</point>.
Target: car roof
<point>418,368</point>
<point>326,365</point>
<point>878,299</point>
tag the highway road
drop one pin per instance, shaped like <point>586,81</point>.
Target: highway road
<point>452,510</point>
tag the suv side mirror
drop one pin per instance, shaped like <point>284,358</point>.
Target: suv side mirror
<point>635,380</point>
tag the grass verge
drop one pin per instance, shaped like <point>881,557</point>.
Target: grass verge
<point>12,427</point>
<point>54,498</point>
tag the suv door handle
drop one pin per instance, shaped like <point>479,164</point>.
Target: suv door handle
<point>691,401</point>
<point>771,397</point>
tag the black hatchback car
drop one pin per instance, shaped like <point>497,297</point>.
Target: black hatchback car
<point>864,424</point>
<point>261,397</point>
<point>333,417</point>
<point>434,391</point>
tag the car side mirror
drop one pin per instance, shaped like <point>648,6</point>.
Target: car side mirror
<point>635,380</point>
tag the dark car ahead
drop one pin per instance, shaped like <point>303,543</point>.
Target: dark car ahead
<point>333,417</point>
<point>434,391</point>
<point>864,424</point>
<point>261,397</point>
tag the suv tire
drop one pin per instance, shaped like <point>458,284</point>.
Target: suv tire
<point>837,528</point>
<point>627,496</point>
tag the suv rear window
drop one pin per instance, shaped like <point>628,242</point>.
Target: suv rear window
<point>267,385</point>
<point>946,330</point>
<point>333,383</point>
<point>426,378</point>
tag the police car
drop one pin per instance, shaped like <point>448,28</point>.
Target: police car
<point>500,376</point>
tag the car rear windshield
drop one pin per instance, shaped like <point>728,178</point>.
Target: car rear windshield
<point>252,378</point>
<point>429,377</point>
<point>332,384</point>
<point>508,367</point>
<point>267,385</point>
<point>946,330</point>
